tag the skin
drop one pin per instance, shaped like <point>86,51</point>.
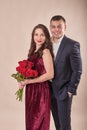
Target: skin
<point>58,28</point>
<point>39,39</point>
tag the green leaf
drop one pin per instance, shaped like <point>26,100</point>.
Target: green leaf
<point>19,94</point>
<point>18,77</point>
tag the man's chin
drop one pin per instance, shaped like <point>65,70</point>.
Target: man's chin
<point>57,37</point>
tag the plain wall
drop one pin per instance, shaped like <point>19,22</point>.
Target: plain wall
<point>17,19</point>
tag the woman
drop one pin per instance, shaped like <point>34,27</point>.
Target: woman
<point>37,98</point>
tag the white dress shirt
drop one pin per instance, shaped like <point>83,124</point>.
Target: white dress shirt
<point>56,46</point>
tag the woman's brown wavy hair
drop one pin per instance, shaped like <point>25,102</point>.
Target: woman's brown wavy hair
<point>47,44</point>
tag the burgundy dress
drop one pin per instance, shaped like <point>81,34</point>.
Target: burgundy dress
<point>37,100</point>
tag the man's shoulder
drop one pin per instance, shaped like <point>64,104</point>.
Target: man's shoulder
<point>70,41</point>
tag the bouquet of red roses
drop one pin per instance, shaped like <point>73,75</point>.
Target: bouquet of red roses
<point>25,70</point>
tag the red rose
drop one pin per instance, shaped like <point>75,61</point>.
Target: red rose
<point>23,63</point>
<point>35,73</point>
<point>30,64</point>
<point>25,70</point>
<point>19,69</point>
<point>31,73</point>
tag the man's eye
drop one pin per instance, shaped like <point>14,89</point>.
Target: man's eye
<point>53,26</point>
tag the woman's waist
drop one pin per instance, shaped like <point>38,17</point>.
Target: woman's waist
<point>45,83</point>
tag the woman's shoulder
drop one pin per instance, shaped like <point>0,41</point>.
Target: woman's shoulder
<point>46,50</point>
<point>46,53</point>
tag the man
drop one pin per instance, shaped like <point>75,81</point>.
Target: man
<point>67,69</point>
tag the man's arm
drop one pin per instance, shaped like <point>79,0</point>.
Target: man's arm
<point>76,65</point>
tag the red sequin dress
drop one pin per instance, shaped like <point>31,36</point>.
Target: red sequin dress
<point>37,100</point>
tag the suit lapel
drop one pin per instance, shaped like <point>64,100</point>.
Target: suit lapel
<point>60,50</point>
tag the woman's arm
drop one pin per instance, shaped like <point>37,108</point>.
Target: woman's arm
<point>48,64</point>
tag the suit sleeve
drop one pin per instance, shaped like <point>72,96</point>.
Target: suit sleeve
<point>76,66</point>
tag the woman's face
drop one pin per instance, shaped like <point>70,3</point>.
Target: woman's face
<point>39,37</point>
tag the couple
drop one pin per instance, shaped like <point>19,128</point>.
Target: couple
<point>58,62</point>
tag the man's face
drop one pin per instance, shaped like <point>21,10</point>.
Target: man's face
<point>57,28</point>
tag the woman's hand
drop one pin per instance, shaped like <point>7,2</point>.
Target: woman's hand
<point>21,86</point>
<point>24,83</point>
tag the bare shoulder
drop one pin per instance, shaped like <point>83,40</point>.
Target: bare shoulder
<point>46,51</point>
<point>47,54</point>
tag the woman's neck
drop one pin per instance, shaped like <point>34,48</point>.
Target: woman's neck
<point>37,48</point>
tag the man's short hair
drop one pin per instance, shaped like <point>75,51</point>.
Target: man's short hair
<point>57,18</point>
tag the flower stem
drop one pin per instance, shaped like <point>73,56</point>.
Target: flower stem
<point>19,94</point>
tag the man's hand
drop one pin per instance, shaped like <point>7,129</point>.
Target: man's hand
<point>69,94</point>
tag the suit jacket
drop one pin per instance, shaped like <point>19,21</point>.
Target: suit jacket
<point>67,68</point>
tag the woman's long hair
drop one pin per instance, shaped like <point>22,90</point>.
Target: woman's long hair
<point>47,44</point>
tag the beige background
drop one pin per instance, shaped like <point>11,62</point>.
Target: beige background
<point>17,18</point>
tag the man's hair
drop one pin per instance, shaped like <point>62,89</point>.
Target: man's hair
<point>57,18</point>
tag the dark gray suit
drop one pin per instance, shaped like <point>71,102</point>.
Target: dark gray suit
<point>67,69</point>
